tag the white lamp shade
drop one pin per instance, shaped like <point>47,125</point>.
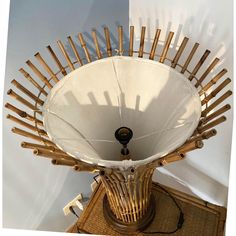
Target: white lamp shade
<point>84,109</point>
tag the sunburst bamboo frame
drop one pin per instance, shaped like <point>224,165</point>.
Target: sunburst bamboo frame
<point>132,185</point>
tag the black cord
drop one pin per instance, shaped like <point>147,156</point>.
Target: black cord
<point>72,210</point>
<point>181,215</point>
<point>95,178</point>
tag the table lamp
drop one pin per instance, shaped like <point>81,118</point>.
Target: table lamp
<point>121,113</point>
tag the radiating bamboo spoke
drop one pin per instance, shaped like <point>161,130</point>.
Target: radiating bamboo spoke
<point>179,52</point>
<point>108,41</point>
<point>131,41</point>
<point>120,39</point>
<point>186,64</point>
<point>212,124</point>
<point>32,81</point>
<point>83,45</point>
<point>199,64</point>
<point>72,44</point>
<point>98,51</point>
<point>142,40</point>
<point>166,47</point>
<point>154,44</point>
<point>56,60</point>
<point>46,67</point>
<point>65,54</point>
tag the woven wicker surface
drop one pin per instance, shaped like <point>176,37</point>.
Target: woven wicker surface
<point>201,218</point>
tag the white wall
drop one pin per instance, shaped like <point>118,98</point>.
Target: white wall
<point>204,172</point>
<point>34,191</point>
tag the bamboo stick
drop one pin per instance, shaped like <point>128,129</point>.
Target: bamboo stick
<point>142,38</point>
<point>171,158</point>
<point>120,37</point>
<point>39,74</point>
<point>208,70</point>
<point>187,147</point>
<point>29,126</point>
<point>23,114</point>
<point>39,146</point>
<point>216,113</point>
<point>27,92</point>
<point>216,91</point>
<point>95,40</point>
<point>179,52</point>
<point>11,93</point>
<point>54,155</point>
<point>217,102</point>
<point>131,40</point>
<point>199,64</point>
<point>65,54</point>
<point>213,81</point>
<point>55,58</point>
<point>212,124</point>
<point>166,47</point>
<point>154,44</point>
<point>31,80</point>
<point>204,135</point>
<point>196,45</point>
<point>85,168</point>
<point>32,136</point>
<point>72,44</point>
<point>83,45</point>
<point>63,162</point>
<point>46,67</point>
<point>108,42</point>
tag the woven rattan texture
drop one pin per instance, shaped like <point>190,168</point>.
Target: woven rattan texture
<point>201,218</point>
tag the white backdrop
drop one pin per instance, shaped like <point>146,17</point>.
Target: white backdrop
<point>34,191</point>
<point>204,172</point>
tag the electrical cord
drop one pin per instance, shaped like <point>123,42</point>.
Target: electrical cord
<point>181,215</point>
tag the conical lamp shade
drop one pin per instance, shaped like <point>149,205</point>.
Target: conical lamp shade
<point>83,111</point>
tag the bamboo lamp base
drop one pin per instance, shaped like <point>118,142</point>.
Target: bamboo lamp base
<point>127,228</point>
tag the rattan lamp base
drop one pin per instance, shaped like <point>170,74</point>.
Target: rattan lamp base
<point>127,228</point>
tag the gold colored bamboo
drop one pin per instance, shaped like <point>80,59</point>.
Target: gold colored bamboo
<point>95,40</point>
<point>54,155</point>
<point>20,99</point>
<point>83,45</point>
<point>23,114</point>
<point>187,147</point>
<point>120,37</point>
<point>179,52</point>
<point>217,102</point>
<point>108,42</point>
<point>131,40</point>
<point>216,113</point>
<point>27,92</point>
<point>46,67</point>
<point>63,162</point>
<point>57,61</point>
<point>208,70</point>
<point>142,38</point>
<point>29,126</point>
<point>39,146</point>
<point>154,44</point>
<point>172,158</point>
<point>32,136</point>
<point>39,74</point>
<point>213,81</point>
<point>212,124</point>
<point>216,91</point>
<point>199,64</point>
<point>72,44</point>
<point>65,54</point>
<point>166,47</point>
<point>81,167</point>
<point>31,80</point>
<point>185,66</point>
<point>205,135</point>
